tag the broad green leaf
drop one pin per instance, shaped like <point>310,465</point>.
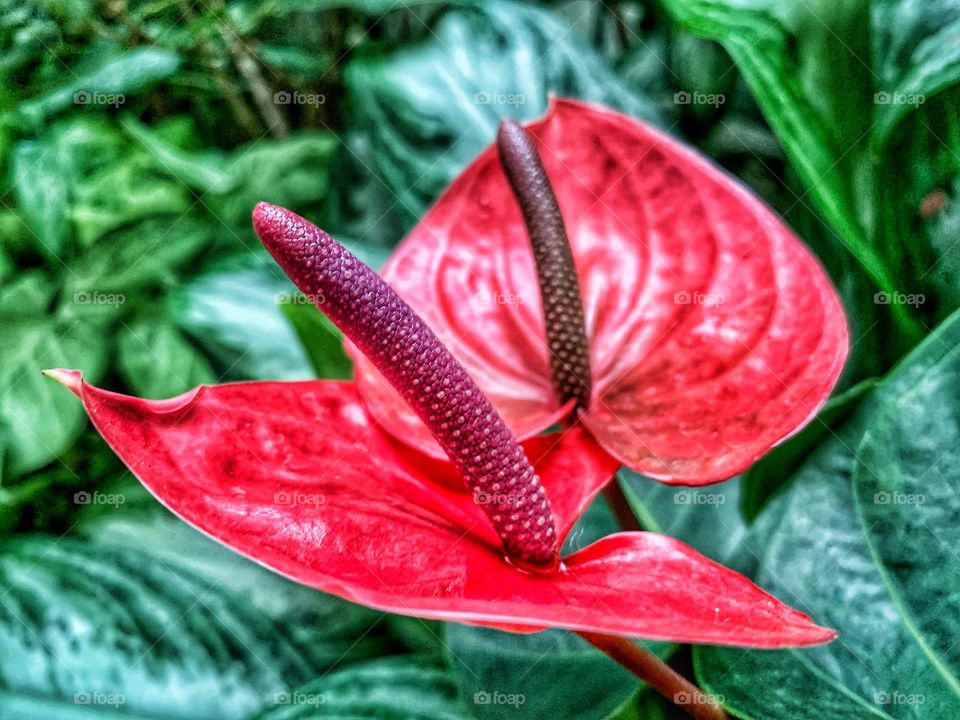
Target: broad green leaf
<point>916,55</point>
<point>805,75</point>
<point>135,259</point>
<point>292,172</point>
<point>122,193</point>
<point>105,82</point>
<point>907,486</point>
<point>89,626</point>
<point>319,337</point>
<point>203,171</point>
<point>43,420</point>
<point>233,312</point>
<point>548,674</point>
<point>813,549</point>
<point>706,518</point>
<point>28,293</point>
<point>42,193</point>
<point>430,108</point>
<point>773,471</point>
<point>156,361</point>
<point>348,631</point>
<point>408,688</point>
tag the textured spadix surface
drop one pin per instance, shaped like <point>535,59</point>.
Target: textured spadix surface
<point>713,331</point>
<point>298,477</point>
<point>423,372</point>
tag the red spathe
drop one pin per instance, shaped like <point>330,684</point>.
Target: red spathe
<point>299,478</point>
<point>714,333</point>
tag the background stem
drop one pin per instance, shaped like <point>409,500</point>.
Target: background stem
<point>658,675</point>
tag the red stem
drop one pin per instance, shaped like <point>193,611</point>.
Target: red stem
<point>658,675</point>
<point>620,507</point>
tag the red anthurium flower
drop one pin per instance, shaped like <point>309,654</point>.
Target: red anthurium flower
<point>713,333</point>
<point>300,477</point>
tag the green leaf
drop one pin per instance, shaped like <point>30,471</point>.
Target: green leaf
<point>548,674</point>
<point>28,293</point>
<point>105,82</point>
<point>42,419</point>
<point>135,259</point>
<point>233,313</point>
<point>292,172</point>
<point>42,193</point>
<point>156,361</point>
<point>97,626</point>
<point>814,549</point>
<point>319,337</point>
<point>705,518</point>
<point>907,486</point>
<point>429,108</point>
<point>805,75</point>
<point>772,472</point>
<point>122,193</point>
<point>916,55</point>
<point>407,688</point>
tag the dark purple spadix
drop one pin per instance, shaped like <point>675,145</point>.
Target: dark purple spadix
<point>425,374</point>
<point>559,287</point>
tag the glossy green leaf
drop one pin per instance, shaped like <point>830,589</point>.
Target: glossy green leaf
<point>233,313</point>
<point>907,486</point>
<point>121,194</point>
<point>813,549</point>
<point>762,481</point>
<point>319,337</point>
<point>394,688</point>
<point>292,172</point>
<point>133,260</point>
<point>156,361</point>
<point>93,628</point>
<point>805,75</point>
<point>428,109</point>
<point>916,55</point>
<point>42,422</point>
<point>705,518</point>
<point>42,193</point>
<point>548,674</point>
<point>105,82</point>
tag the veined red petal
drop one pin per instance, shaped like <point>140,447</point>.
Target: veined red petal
<point>714,333</point>
<point>298,478</point>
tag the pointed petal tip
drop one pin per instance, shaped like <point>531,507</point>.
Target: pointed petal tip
<point>70,379</point>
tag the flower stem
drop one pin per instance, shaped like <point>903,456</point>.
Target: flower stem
<point>658,675</point>
<point>620,507</point>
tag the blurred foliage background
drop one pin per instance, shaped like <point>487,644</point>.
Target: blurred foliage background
<point>135,137</point>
